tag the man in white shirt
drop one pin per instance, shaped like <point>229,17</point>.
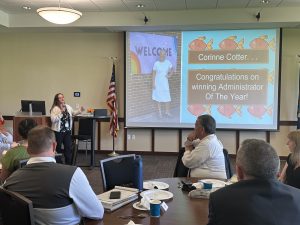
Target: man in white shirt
<point>203,151</point>
<point>61,194</point>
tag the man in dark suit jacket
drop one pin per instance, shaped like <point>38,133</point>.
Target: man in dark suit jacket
<point>258,198</point>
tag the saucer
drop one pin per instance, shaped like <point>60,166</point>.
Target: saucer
<point>148,185</point>
<point>137,205</point>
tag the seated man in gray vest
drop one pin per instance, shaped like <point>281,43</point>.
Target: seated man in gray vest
<point>61,194</point>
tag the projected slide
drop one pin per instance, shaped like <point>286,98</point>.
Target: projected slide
<point>231,74</point>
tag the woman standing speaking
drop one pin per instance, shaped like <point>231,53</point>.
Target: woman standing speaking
<point>61,118</point>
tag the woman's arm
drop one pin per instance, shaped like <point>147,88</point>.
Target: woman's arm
<point>153,79</point>
<point>55,114</point>
<point>282,176</point>
<point>75,112</point>
<point>170,71</point>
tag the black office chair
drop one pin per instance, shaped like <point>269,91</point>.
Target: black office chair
<point>23,162</point>
<point>180,169</point>
<point>85,134</point>
<point>123,170</point>
<point>228,168</point>
<point>15,208</point>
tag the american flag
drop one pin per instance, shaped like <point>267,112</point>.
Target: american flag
<point>112,105</point>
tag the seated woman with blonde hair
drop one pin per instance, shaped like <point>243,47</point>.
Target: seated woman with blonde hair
<point>291,171</point>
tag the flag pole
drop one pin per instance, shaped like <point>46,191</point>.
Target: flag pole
<point>112,103</point>
<point>113,154</point>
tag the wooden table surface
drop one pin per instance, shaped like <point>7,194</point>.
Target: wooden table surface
<point>182,210</point>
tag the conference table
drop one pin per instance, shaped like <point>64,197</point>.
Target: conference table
<point>182,209</point>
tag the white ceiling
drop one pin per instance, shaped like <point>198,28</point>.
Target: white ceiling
<point>124,15</point>
<point>16,6</point>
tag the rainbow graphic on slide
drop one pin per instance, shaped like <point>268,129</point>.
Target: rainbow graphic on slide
<point>135,64</point>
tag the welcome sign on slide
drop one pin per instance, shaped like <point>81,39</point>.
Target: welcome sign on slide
<point>231,74</point>
<point>144,51</point>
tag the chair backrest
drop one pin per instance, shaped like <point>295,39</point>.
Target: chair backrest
<point>180,169</point>
<point>228,168</point>
<point>15,208</point>
<point>58,158</point>
<point>22,163</point>
<point>85,127</point>
<point>123,170</point>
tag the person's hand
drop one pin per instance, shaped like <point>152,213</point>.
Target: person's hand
<point>169,74</point>
<point>189,147</point>
<point>189,141</point>
<point>14,144</point>
<point>191,136</point>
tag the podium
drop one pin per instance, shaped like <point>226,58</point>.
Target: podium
<point>38,117</point>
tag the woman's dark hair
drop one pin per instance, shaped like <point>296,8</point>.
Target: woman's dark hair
<point>208,123</point>
<point>55,101</point>
<point>25,126</point>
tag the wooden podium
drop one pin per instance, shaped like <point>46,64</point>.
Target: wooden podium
<point>40,120</point>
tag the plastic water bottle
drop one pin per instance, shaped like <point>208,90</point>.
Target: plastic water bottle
<point>138,173</point>
<point>30,109</point>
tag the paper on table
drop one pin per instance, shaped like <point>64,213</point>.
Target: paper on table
<point>200,193</point>
<point>127,195</point>
<point>198,185</point>
<point>164,206</point>
<point>215,183</point>
<point>132,223</point>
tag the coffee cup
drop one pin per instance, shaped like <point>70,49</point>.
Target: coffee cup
<point>155,208</point>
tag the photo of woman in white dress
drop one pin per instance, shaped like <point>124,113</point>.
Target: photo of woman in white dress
<point>162,71</point>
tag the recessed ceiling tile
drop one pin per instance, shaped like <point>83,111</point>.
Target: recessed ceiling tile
<point>201,4</point>
<point>233,3</point>
<point>290,3</point>
<point>170,4</point>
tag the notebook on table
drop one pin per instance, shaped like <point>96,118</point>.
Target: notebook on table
<point>127,195</point>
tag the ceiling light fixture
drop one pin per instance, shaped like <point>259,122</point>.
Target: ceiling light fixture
<point>59,15</point>
<point>26,7</point>
<point>265,1</point>
<point>140,6</point>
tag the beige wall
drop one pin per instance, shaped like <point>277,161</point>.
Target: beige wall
<point>38,65</point>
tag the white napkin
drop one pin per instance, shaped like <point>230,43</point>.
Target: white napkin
<point>198,185</point>
<point>132,223</point>
<point>200,193</point>
<point>145,202</point>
